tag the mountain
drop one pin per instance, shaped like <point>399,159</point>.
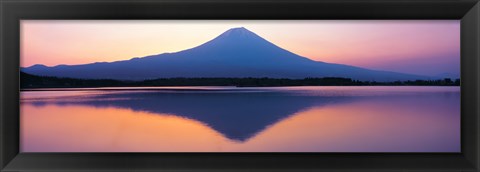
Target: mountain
<point>237,52</point>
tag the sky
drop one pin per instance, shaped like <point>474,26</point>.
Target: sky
<point>422,47</point>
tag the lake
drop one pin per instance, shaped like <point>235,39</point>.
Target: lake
<point>249,119</point>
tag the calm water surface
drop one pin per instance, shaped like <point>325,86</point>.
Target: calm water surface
<point>230,119</point>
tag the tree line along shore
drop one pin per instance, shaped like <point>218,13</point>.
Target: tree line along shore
<point>33,81</point>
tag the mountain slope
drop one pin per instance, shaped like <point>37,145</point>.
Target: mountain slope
<point>237,52</point>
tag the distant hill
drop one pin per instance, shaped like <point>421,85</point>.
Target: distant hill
<point>33,81</point>
<point>448,75</point>
<point>237,53</point>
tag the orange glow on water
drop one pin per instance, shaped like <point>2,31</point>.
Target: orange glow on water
<point>80,129</point>
<point>358,127</point>
<point>408,124</point>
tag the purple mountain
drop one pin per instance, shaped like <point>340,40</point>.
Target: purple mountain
<point>237,52</point>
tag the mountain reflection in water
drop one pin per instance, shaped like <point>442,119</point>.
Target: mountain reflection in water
<point>303,119</point>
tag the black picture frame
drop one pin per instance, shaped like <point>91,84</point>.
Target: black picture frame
<point>12,11</point>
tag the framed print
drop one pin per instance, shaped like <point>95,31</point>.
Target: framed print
<point>239,85</point>
<point>238,91</point>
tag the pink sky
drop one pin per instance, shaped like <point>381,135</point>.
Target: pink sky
<point>425,47</point>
